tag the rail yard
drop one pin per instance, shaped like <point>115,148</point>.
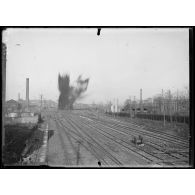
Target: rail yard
<point>96,102</point>
<point>93,139</point>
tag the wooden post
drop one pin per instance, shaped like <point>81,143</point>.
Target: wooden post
<point>170,106</point>
<point>134,107</point>
<point>184,107</point>
<point>152,108</point>
<point>27,93</point>
<point>141,103</point>
<point>41,101</point>
<point>163,107</point>
<point>129,106</point>
<point>114,108</point>
<point>117,109</point>
<point>177,106</point>
<point>78,152</point>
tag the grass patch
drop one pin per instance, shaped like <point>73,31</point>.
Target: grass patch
<point>15,142</point>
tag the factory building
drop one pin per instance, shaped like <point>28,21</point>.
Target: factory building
<point>11,106</point>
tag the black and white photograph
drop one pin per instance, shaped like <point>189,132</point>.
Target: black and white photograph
<point>96,97</point>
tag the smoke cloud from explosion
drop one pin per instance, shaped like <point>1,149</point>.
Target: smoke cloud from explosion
<point>69,94</point>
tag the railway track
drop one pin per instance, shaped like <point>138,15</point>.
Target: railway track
<point>122,120</point>
<point>93,142</point>
<point>89,143</point>
<point>151,129</point>
<point>94,138</point>
<point>151,139</point>
<point>129,146</point>
<point>161,137</point>
<point>102,135</point>
<point>78,137</point>
<point>183,144</point>
<point>134,126</point>
<point>175,157</point>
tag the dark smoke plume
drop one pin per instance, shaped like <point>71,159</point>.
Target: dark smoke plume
<point>69,94</point>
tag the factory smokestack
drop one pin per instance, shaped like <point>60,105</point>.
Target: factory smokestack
<point>27,93</point>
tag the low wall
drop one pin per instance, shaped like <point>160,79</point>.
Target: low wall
<point>28,119</point>
<point>22,120</point>
<point>27,114</point>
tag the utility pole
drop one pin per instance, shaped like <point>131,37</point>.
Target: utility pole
<point>41,101</point>
<point>170,106</point>
<point>163,106</point>
<point>114,107</point>
<point>152,107</point>
<point>130,107</point>
<point>141,103</point>
<point>135,107</point>
<point>117,106</point>
<point>177,107</point>
<point>27,93</point>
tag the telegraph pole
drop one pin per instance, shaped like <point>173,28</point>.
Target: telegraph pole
<point>163,106</point>
<point>152,107</point>
<point>27,93</point>
<point>114,106</point>
<point>141,103</point>
<point>170,106</point>
<point>41,101</point>
<point>117,106</point>
<point>177,107</point>
<point>135,107</point>
<point>130,107</point>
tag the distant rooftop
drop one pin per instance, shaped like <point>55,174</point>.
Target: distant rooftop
<point>11,101</point>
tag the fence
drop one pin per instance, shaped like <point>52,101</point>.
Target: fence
<point>160,117</point>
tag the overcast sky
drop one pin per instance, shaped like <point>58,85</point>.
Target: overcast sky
<point>118,62</point>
